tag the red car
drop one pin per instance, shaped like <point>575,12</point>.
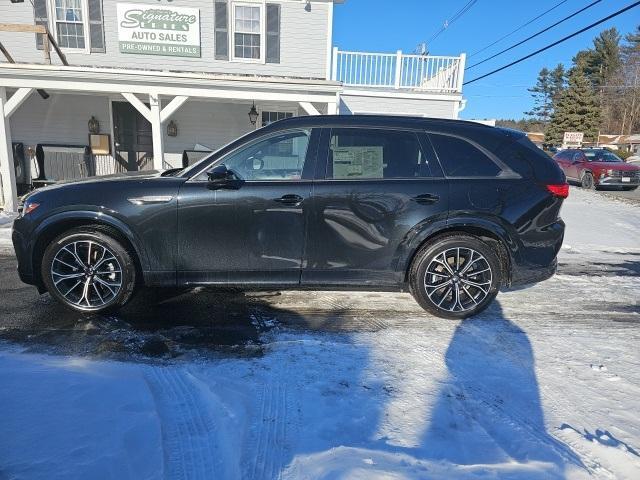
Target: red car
<point>598,168</point>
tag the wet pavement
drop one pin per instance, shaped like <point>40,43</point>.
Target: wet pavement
<point>168,323</point>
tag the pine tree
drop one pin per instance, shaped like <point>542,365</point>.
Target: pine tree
<point>577,110</point>
<point>607,55</point>
<point>541,93</point>
<point>545,93</point>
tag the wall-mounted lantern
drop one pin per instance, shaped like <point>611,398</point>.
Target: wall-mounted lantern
<point>253,114</point>
<point>172,129</point>
<point>94,125</point>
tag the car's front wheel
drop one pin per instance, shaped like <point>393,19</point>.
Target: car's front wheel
<point>455,276</point>
<point>88,270</point>
<point>587,181</point>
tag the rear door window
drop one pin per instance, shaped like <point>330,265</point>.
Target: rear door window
<point>358,153</point>
<point>460,158</point>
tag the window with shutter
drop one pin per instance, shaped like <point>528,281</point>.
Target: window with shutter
<point>221,28</point>
<point>96,29</point>
<point>273,33</point>
<point>69,18</point>
<point>247,31</point>
<point>41,18</point>
<point>75,24</point>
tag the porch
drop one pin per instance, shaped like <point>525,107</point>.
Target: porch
<point>173,118</point>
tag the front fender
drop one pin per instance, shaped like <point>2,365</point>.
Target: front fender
<point>87,216</point>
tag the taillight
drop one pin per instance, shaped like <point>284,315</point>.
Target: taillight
<point>559,190</point>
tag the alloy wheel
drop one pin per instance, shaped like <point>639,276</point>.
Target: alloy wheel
<point>458,279</point>
<point>87,274</point>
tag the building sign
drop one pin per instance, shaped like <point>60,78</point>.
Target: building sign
<point>159,30</point>
<point>572,139</point>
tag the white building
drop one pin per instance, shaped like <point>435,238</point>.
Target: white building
<point>163,77</point>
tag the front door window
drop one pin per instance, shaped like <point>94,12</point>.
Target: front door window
<point>280,157</point>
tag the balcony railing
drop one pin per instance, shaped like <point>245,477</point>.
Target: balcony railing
<point>399,71</point>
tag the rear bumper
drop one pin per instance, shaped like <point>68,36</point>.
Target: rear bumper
<point>537,259</point>
<point>523,276</point>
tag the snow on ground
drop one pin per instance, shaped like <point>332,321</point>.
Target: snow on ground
<point>545,384</point>
<point>5,230</point>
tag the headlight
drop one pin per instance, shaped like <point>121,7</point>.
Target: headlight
<point>610,172</point>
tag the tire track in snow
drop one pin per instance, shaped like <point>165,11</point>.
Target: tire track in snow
<point>188,431</point>
<point>269,442</point>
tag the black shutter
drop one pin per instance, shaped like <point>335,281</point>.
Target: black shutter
<point>96,28</point>
<point>221,29</point>
<point>40,17</point>
<point>273,33</point>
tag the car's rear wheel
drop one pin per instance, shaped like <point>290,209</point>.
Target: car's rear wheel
<point>88,270</point>
<point>456,276</point>
<point>587,181</point>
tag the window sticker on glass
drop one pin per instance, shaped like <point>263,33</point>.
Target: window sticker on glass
<point>358,162</point>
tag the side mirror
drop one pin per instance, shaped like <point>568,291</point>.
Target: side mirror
<point>221,177</point>
<point>219,173</point>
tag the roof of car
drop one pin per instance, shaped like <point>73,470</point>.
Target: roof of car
<point>376,120</point>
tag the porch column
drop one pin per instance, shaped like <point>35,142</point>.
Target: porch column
<point>156,131</point>
<point>9,189</point>
<point>7,107</point>
<point>157,116</point>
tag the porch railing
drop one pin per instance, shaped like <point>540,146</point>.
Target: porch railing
<point>399,71</point>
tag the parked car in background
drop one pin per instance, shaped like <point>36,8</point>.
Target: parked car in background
<point>633,159</point>
<point>598,168</point>
<point>449,210</point>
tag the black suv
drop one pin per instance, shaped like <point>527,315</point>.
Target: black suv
<point>449,210</point>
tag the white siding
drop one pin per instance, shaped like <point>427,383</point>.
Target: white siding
<point>59,119</point>
<point>352,104</point>
<point>303,42</point>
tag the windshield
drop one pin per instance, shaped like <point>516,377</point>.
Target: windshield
<point>602,156</point>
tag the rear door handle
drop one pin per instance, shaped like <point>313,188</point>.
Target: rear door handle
<point>426,199</point>
<point>290,199</point>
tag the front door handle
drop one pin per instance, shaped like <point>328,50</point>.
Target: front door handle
<point>290,199</point>
<point>426,199</point>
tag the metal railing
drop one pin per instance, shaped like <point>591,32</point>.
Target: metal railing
<point>399,71</point>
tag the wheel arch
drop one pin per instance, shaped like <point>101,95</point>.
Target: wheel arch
<point>58,224</point>
<point>488,232</point>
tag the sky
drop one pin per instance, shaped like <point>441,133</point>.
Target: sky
<point>390,25</point>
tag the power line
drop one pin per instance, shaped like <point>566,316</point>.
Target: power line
<point>629,7</point>
<point>456,16</point>
<point>518,29</point>
<point>535,34</point>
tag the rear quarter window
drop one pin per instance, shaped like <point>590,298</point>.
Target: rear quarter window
<point>460,158</point>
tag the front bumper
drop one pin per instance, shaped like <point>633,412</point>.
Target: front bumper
<point>21,248</point>
<point>619,181</point>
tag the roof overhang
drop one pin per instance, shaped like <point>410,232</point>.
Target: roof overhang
<point>107,80</point>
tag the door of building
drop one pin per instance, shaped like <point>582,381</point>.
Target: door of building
<point>133,139</point>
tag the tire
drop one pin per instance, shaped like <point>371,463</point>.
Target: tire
<point>88,270</point>
<point>428,271</point>
<point>629,189</point>
<point>587,181</point>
